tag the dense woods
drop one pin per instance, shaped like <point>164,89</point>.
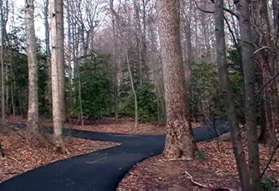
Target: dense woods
<point>170,62</point>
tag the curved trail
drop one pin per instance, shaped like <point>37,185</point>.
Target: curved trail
<point>97,171</point>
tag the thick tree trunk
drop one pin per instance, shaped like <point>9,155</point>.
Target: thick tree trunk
<point>60,54</point>
<point>33,108</point>
<point>226,92</point>
<point>179,139</point>
<point>249,69</point>
<point>57,69</point>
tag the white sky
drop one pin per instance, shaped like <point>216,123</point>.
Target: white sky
<point>39,21</point>
<point>19,16</point>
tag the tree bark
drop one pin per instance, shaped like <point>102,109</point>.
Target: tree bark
<point>133,89</point>
<point>6,71</point>
<point>188,57</point>
<point>275,6</point>
<point>267,60</point>
<point>48,51</point>
<point>57,69</point>
<point>226,92</point>
<point>33,108</point>
<point>60,54</point>
<point>249,69</point>
<point>179,139</point>
<point>114,62</point>
<point>3,112</point>
<point>138,39</point>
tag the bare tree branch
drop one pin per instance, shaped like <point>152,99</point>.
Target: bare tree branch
<point>211,12</point>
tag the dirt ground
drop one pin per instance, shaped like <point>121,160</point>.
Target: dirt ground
<point>214,169</point>
<point>123,126</point>
<point>24,152</point>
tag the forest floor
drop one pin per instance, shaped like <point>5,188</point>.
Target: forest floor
<point>122,126</point>
<point>213,169</point>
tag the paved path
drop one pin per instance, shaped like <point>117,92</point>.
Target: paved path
<point>97,171</point>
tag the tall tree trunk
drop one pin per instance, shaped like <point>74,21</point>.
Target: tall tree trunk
<point>6,71</point>
<point>3,111</point>
<point>81,118</point>
<point>33,108</point>
<point>275,6</point>
<point>156,69</point>
<point>133,88</point>
<point>60,54</point>
<point>13,98</point>
<point>179,139</point>
<point>136,4</point>
<point>57,62</point>
<point>145,67</point>
<point>226,92</point>
<point>249,69</point>
<point>71,59</point>
<point>205,31</point>
<point>48,52</point>
<point>268,64</point>
<point>114,62</point>
<point>47,37</point>
<point>188,57</point>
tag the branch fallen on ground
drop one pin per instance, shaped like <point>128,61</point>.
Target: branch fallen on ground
<point>190,177</point>
<point>200,185</point>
